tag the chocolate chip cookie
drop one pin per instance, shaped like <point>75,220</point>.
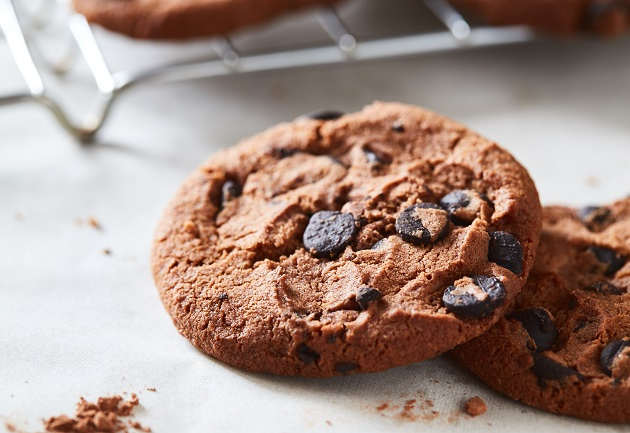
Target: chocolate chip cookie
<point>605,17</point>
<point>347,243</point>
<point>183,19</point>
<point>566,346</point>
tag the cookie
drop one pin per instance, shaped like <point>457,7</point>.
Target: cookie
<point>565,17</point>
<point>566,346</point>
<point>320,247</point>
<point>184,19</point>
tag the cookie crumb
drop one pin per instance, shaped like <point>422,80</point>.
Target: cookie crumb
<point>475,406</point>
<point>92,222</point>
<point>107,251</point>
<point>103,416</point>
<point>138,426</point>
<point>152,389</point>
<point>10,427</point>
<point>592,181</point>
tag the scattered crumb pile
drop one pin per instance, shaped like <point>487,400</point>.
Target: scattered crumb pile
<point>104,416</point>
<point>475,406</point>
<point>409,410</point>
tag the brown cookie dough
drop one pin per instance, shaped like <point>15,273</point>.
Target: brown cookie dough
<point>183,19</point>
<point>564,17</point>
<point>566,346</point>
<point>287,253</point>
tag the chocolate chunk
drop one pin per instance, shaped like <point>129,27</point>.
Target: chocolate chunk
<point>548,369</point>
<point>464,205</point>
<point>605,288</point>
<point>539,325</point>
<point>345,367</point>
<point>474,297</point>
<point>223,296</point>
<point>398,127</point>
<point>596,218</point>
<point>229,191</point>
<point>307,355</point>
<point>608,257</point>
<point>365,295</point>
<point>610,353</point>
<point>505,250</point>
<point>283,152</point>
<point>422,224</point>
<point>324,115</point>
<point>329,232</point>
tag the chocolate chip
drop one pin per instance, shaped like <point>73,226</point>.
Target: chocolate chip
<point>596,218</point>
<point>398,127</point>
<point>608,257</point>
<point>329,232</point>
<point>284,152</point>
<point>422,224</point>
<point>464,205</point>
<point>610,353</point>
<point>548,369</point>
<point>605,288</point>
<point>307,355</point>
<point>505,250</point>
<point>345,367</point>
<point>474,297</point>
<point>229,191</point>
<point>324,115</point>
<point>539,325</point>
<point>223,296</point>
<point>365,295</point>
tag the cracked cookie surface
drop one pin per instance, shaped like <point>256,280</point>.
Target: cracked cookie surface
<point>302,269</point>
<point>566,346</point>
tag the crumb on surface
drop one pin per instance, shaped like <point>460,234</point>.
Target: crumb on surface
<point>136,425</point>
<point>93,222</point>
<point>107,251</point>
<point>152,389</point>
<point>592,181</point>
<point>104,416</point>
<point>475,406</point>
<point>408,409</point>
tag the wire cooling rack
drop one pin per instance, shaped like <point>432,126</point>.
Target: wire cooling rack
<point>21,27</point>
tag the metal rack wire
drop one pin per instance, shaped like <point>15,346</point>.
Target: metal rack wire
<point>17,26</point>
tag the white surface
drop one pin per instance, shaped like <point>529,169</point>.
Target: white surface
<point>76,322</point>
